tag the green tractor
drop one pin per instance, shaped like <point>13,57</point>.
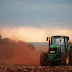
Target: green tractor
<point>59,52</point>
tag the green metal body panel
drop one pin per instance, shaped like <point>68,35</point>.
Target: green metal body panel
<point>68,49</point>
<point>55,57</point>
<point>53,46</point>
<point>56,46</point>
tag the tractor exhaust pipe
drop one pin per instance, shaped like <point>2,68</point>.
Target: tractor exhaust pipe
<point>49,40</point>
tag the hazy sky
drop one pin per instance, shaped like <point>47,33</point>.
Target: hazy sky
<point>45,15</point>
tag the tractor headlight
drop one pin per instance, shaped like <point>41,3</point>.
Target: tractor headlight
<point>51,51</point>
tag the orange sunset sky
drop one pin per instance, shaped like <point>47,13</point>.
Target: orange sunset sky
<point>34,20</point>
<point>30,34</point>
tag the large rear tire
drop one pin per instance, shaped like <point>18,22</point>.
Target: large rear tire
<point>70,53</point>
<point>43,57</point>
<point>65,58</point>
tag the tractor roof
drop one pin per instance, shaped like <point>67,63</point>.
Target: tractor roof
<point>60,36</point>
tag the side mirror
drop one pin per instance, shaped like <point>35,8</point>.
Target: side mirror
<point>68,38</point>
<point>47,39</point>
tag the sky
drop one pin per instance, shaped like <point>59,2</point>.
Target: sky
<point>34,20</point>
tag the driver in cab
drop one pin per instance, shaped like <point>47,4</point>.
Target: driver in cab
<point>60,42</point>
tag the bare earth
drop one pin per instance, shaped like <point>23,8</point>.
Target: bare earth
<point>25,68</point>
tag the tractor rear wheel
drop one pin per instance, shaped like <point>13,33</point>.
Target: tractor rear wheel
<point>64,58</point>
<point>70,53</point>
<point>43,57</point>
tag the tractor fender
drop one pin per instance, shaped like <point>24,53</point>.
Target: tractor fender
<point>68,49</point>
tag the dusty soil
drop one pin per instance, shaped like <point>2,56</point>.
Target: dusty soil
<point>25,68</point>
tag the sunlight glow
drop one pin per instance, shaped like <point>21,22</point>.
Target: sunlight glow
<point>28,34</point>
<point>31,34</point>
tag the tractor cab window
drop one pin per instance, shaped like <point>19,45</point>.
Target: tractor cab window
<point>66,42</point>
<point>59,41</point>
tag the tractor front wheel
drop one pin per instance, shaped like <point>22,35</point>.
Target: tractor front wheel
<point>43,58</point>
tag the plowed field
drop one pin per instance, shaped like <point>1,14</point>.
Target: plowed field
<point>25,68</point>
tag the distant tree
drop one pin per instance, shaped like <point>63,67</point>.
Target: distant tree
<point>21,41</point>
<point>6,39</point>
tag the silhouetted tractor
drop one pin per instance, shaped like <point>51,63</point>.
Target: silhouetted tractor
<point>59,52</point>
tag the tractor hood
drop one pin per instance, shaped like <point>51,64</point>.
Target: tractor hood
<point>54,46</point>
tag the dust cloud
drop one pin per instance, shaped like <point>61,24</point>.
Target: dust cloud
<point>25,55</point>
<point>12,52</point>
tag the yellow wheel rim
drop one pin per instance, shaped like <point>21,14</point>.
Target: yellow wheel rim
<point>67,60</point>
